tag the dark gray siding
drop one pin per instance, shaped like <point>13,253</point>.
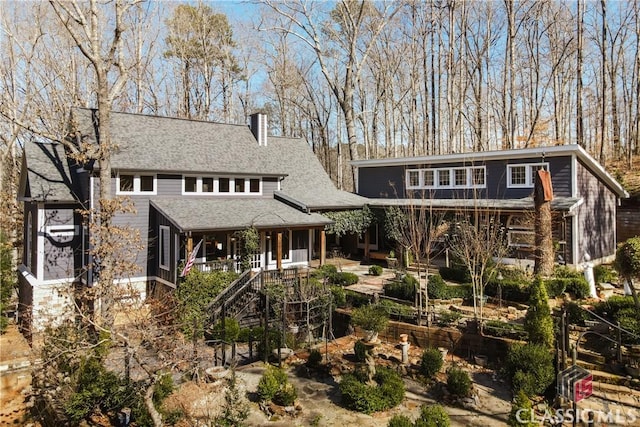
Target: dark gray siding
<point>62,252</point>
<point>31,208</point>
<point>596,216</point>
<point>269,186</point>
<point>171,185</point>
<point>153,268</point>
<point>388,181</point>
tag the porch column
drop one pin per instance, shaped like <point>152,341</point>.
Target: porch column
<point>367,239</point>
<point>323,247</point>
<point>189,246</point>
<point>279,251</point>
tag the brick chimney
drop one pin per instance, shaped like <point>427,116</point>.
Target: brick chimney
<point>259,127</point>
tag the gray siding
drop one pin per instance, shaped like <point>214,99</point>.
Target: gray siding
<point>171,185</point>
<point>596,216</point>
<point>388,181</point>
<point>153,264</point>
<point>62,253</point>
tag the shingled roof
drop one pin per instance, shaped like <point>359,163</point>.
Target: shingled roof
<point>169,145</point>
<point>49,177</point>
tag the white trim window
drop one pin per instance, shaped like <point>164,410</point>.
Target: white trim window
<point>520,231</point>
<point>447,178</point>
<point>164,245</point>
<point>135,183</point>
<point>523,175</point>
<point>192,184</point>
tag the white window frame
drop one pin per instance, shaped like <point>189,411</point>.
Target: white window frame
<point>216,186</point>
<point>451,171</point>
<point>408,178</point>
<point>522,229</point>
<point>472,182</point>
<point>529,175</point>
<point>136,184</point>
<point>62,230</point>
<point>164,234</point>
<point>454,179</point>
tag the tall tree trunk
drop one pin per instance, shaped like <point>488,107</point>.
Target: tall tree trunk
<point>579,113</point>
<point>544,258</point>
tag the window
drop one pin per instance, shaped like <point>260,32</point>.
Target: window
<point>190,184</point>
<point>126,183</point>
<point>478,176</point>
<point>413,177</point>
<point>428,178</point>
<point>137,184</point>
<point>223,184</point>
<point>207,185</point>
<point>444,177</point>
<point>460,177</point>
<point>254,185</point>
<point>524,175</point>
<point>521,231</point>
<point>239,185</point>
<point>286,246</point>
<point>164,241</point>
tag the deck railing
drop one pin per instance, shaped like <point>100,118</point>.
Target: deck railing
<point>219,265</point>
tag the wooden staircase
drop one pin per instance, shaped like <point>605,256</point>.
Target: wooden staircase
<point>240,300</point>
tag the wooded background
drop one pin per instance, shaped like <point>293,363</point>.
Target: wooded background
<point>357,79</point>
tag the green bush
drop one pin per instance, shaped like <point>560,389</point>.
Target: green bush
<point>538,321</point>
<point>611,306</point>
<point>562,271</point>
<point>498,328</point>
<point>629,319</point>
<point>529,367</point>
<point>437,287</point>
<point>576,315</point>
<point>162,389</point>
<point>358,396</point>
<point>400,421</point>
<point>512,290</point>
<point>345,278</point>
<point>521,409</point>
<point>556,286</point>
<point>628,258</point>
<point>230,332</point>
<point>339,296</point>
<point>356,299</point>
<point>360,350</point>
<point>458,382</point>
<point>605,274</point>
<point>375,270</point>
<point>456,273</point>
<point>433,416</point>
<point>578,287</point>
<point>400,290</point>
<point>431,362</point>
<point>397,310</point>
<point>326,271</point>
<point>274,386</point>
<point>448,318</point>
<point>314,360</point>
<point>370,317</point>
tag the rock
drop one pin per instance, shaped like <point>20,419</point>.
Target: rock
<point>291,410</point>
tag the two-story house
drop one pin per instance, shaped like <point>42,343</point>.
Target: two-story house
<point>189,181</point>
<point>501,183</point>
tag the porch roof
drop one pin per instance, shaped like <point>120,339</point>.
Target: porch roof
<point>200,214</point>
<point>563,204</point>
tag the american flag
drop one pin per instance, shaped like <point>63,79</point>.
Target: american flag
<point>191,259</point>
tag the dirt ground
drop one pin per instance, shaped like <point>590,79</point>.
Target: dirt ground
<point>15,376</point>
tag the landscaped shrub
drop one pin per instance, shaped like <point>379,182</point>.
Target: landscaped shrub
<point>521,412</point>
<point>356,299</point>
<point>457,273</point>
<point>400,421</point>
<point>274,386</point>
<point>458,382</point>
<point>370,317</point>
<point>605,274</point>
<point>562,271</point>
<point>448,318</point>
<point>579,287</point>
<point>611,306</point>
<point>629,319</point>
<point>538,322</point>
<point>397,310</point>
<point>230,331</point>
<point>339,296</point>
<point>512,290</point>
<point>556,286</point>
<point>360,350</point>
<point>400,290</point>
<point>345,278</point>
<point>437,288</point>
<point>375,270</point>
<point>529,367</point>
<point>433,416</point>
<point>431,362</point>
<point>498,328</point>
<point>576,315</point>
<point>326,271</point>
<point>358,396</point>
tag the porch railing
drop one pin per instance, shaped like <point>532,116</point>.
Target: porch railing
<point>218,265</point>
<point>236,297</point>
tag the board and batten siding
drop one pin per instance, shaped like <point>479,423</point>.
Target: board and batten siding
<point>62,232</point>
<point>153,253</point>
<point>389,181</point>
<point>596,217</point>
<point>31,208</point>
